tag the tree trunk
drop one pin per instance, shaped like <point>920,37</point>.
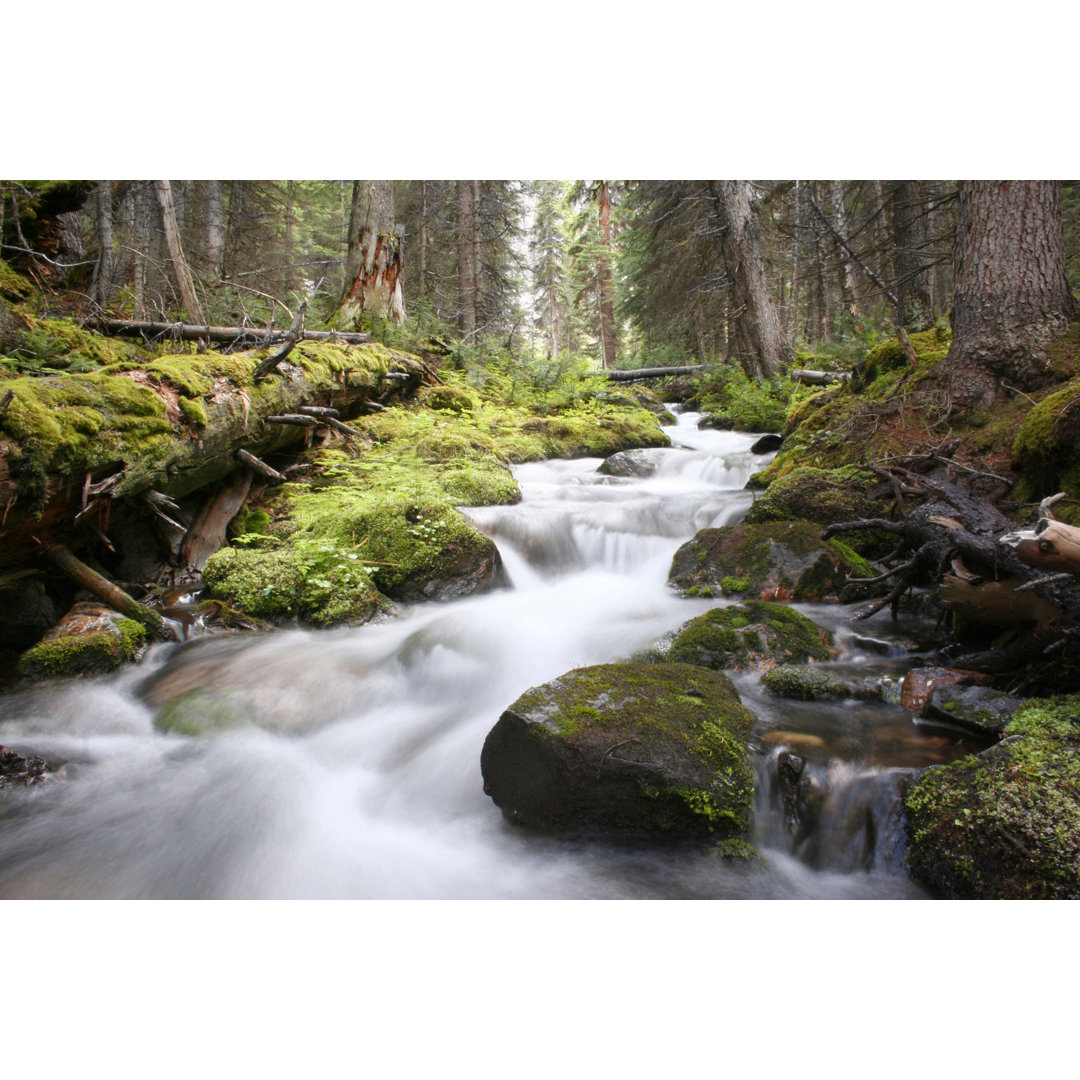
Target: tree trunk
<point>373,264</point>
<point>916,309</point>
<point>1011,296</point>
<point>466,253</point>
<point>760,343</point>
<point>104,270</point>
<point>840,226</point>
<point>176,252</point>
<point>603,273</point>
<point>215,227</point>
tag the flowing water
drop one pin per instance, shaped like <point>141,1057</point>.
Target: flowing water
<point>360,777</point>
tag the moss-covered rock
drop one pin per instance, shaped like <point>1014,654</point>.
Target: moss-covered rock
<point>89,640</point>
<point>323,587</point>
<point>777,561</point>
<point>1004,824</point>
<point>1046,449</point>
<point>625,750</point>
<point>747,636</point>
<point>980,710</point>
<point>804,683</point>
<point>823,496</point>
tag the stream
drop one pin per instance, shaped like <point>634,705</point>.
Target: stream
<point>361,777</point>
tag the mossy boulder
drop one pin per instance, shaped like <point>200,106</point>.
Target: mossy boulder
<point>979,710</point>
<point>625,750</point>
<point>1046,450</point>
<point>823,496</point>
<point>804,683</point>
<point>1004,824</point>
<point>783,561</point>
<point>89,640</point>
<point>747,636</point>
<point>280,582</point>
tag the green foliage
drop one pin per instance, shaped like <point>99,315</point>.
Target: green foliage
<point>749,405</point>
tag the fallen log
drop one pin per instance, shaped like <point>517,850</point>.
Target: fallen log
<point>819,378</point>
<point>652,373</point>
<point>207,533</point>
<point>245,335</point>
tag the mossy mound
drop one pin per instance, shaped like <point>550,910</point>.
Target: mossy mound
<point>321,585</point>
<point>823,496</point>
<point>751,635</point>
<point>1046,450</point>
<point>777,561</point>
<point>90,640</point>
<point>1004,824</point>
<point>645,750</point>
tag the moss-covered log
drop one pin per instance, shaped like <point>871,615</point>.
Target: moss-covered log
<point>170,425</point>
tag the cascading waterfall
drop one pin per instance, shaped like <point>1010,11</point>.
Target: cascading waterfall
<point>359,775</point>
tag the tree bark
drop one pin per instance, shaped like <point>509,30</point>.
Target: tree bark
<point>104,271</point>
<point>466,256</point>
<point>184,279</point>
<point>215,227</point>
<point>760,343</point>
<point>373,263</point>
<point>1011,295</point>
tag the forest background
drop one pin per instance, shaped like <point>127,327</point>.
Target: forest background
<point>831,90</point>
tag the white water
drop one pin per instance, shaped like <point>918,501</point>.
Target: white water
<point>362,778</point>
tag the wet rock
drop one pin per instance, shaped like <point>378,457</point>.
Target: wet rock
<point>749,636</point>
<point>804,683</point>
<point>1004,824</point>
<point>716,422</point>
<point>978,709</point>
<point>789,769</point>
<point>89,640</point>
<point>767,444</point>
<point>215,684</point>
<point>627,463</point>
<point>780,561</point>
<point>920,683</point>
<point>625,750</point>
<point>18,770</point>
<point>27,612</point>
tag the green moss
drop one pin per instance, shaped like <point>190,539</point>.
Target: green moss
<point>83,654</point>
<point>194,410</point>
<point>1004,824</point>
<point>803,683</point>
<point>13,285</point>
<point>732,585</point>
<point>324,585</point>
<point>747,635</point>
<point>205,710</point>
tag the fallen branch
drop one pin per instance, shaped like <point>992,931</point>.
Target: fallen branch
<point>819,378</point>
<point>286,347</point>
<point>108,593</point>
<point>260,466</point>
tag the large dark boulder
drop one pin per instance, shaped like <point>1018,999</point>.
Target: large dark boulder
<point>1004,824</point>
<point>625,750</point>
<point>785,561</point>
